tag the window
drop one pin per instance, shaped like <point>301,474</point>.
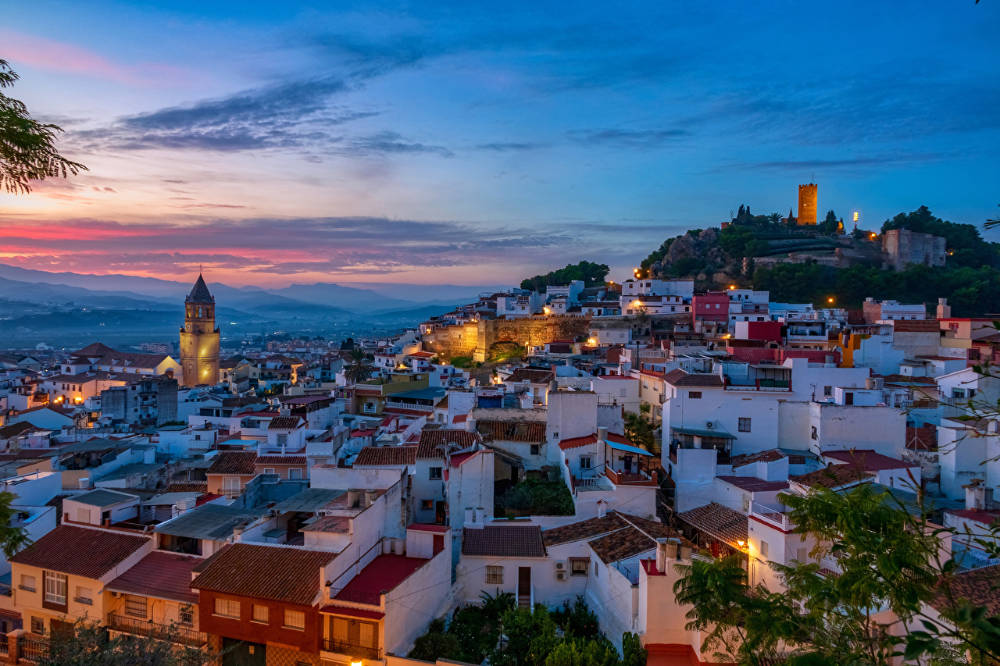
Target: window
<point>435,474</point>
<point>56,587</point>
<point>82,515</point>
<point>294,473</point>
<point>746,502</point>
<point>135,606</point>
<point>231,485</point>
<point>260,614</point>
<point>694,395</point>
<point>340,630</point>
<point>27,583</point>
<point>494,575</point>
<point>268,470</point>
<point>958,393</point>
<point>227,608</point>
<point>827,391</point>
<point>645,384</point>
<point>295,620</point>
<point>282,439</point>
<point>623,393</point>
<point>763,549</point>
<point>185,614</point>
<point>534,449</point>
<point>37,625</point>
<point>744,425</point>
<point>815,435</point>
<point>848,398</point>
<point>367,634</point>
<point>801,555</point>
<point>595,569</point>
<point>585,462</point>
<point>579,567</point>
<point>84,595</point>
<point>426,505</point>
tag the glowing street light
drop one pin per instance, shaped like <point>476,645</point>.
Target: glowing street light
<point>830,300</point>
<point>855,216</point>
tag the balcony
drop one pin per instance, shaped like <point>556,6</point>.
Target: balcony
<point>352,650</point>
<point>772,516</point>
<point>167,632</point>
<point>358,597</point>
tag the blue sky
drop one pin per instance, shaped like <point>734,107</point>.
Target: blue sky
<point>475,143</point>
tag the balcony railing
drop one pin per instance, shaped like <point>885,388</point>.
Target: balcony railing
<point>31,649</point>
<point>772,515</point>
<point>167,632</point>
<point>352,650</point>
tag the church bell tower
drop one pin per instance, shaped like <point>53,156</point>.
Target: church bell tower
<point>199,337</point>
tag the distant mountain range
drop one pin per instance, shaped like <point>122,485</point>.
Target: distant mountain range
<point>34,302</point>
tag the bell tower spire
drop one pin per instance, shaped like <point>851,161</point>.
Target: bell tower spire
<point>199,338</point>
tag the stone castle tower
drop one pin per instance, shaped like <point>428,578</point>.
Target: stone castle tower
<point>200,337</point>
<point>808,204</point>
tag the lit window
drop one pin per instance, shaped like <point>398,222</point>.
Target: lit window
<point>56,587</point>
<point>295,619</point>
<point>426,504</point>
<point>494,575</point>
<point>227,608</point>
<point>260,614</point>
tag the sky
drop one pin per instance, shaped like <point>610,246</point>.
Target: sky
<point>481,143</point>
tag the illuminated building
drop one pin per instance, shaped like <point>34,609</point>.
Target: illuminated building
<point>199,337</point>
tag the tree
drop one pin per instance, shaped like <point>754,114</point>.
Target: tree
<point>12,539</point>
<point>639,429</point>
<point>360,369</point>
<point>27,147</point>
<point>89,644</point>
<point>830,225</point>
<point>436,644</point>
<point>590,273</point>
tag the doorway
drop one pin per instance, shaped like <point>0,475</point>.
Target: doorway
<point>524,587</point>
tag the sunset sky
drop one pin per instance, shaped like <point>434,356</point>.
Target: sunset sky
<point>479,143</point>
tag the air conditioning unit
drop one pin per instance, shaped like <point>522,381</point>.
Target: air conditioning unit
<point>561,575</point>
<point>560,565</point>
<point>710,424</point>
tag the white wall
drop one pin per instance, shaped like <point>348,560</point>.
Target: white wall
<point>411,606</point>
<point>570,414</point>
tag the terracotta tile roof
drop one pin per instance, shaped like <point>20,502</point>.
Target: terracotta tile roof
<point>234,462</point>
<point>531,376</point>
<point>916,326</point>
<point>986,517</point>
<point>867,460</point>
<point>651,528</point>
<point>284,423</point>
<point>574,442</point>
<point>718,521</point>
<point>430,440</point>
<point>264,572</point>
<point>621,545</point>
<point>833,476</point>
<point>503,541</point>
<point>512,431</point>
<point>387,455</point>
<point>194,487</point>
<point>770,455</point>
<point>907,379</point>
<point>282,460</point>
<point>753,484</point>
<point>15,429</point>
<point>161,575</point>
<point>980,586</point>
<point>679,377</point>
<point>585,529</point>
<point>81,551</point>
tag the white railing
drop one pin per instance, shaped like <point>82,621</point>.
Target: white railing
<point>772,515</point>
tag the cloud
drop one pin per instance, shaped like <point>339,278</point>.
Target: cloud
<point>28,50</point>
<point>861,163</point>
<point>511,146</point>
<point>627,138</point>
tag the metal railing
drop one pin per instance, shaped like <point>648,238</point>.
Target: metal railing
<point>3,644</point>
<point>31,648</point>
<point>167,632</point>
<point>351,649</point>
<point>771,515</point>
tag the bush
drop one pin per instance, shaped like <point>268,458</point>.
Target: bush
<point>543,498</point>
<point>461,361</point>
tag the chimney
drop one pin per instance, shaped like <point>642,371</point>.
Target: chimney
<point>470,425</point>
<point>285,411</point>
<point>661,555</point>
<point>975,495</point>
<point>553,385</point>
<point>353,495</point>
<point>370,496</point>
<point>602,508</point>
<point>470,516</point>
<point>480,515</point>
<point>943,309</point>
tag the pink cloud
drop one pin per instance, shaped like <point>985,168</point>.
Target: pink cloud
<point>22,50</point>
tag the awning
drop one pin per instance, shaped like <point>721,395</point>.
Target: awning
<point>628,448</point>
<point>703,433</point>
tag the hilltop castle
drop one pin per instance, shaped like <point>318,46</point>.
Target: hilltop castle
<point>199,337</point>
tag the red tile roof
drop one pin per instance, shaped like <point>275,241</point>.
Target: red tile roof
<point>284,423</point>
<point>161,575</point>
<point>384,573</point>
<point>978,586</point>
<point>264,572</point>
<point>431,440</point>
<point>719,522</point>
<point>585,529</point>
<point>282,460</point>
<point>834,476</point>
<point>234,462</point>
<point>679,377</point>
<point>753,484</point>
<point>512,431</point>
<point>81,551</point>
<point>770,455</point>
<point>867,460</point>
<point>531,376</point>
<point>387,455</point>
<point>503,541</point>
<point>575,442</point>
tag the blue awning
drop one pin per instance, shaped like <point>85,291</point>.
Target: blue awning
<point>627,448</point>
